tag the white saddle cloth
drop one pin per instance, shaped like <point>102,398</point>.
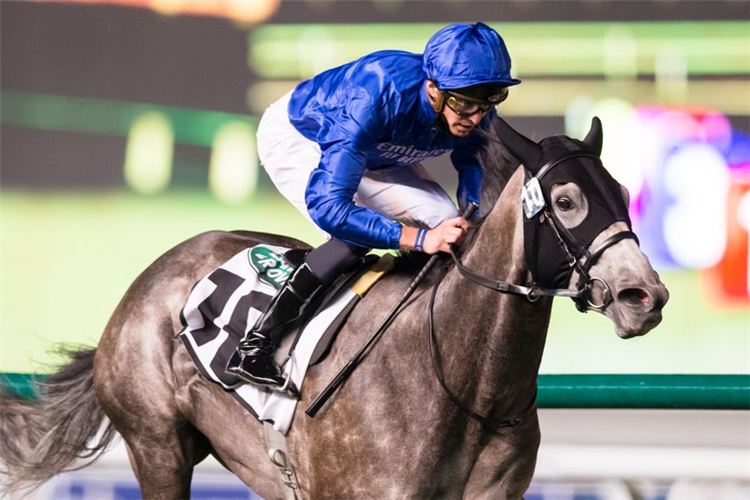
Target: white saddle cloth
<point>220,310</point>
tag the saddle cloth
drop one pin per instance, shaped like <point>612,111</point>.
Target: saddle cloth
<point>226,303</point>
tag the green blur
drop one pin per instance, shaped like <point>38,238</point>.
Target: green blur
<point>103,116</point>
<point>67,259</point>
<point>293,51</point>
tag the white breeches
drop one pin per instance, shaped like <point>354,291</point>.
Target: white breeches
<point>409,194</point>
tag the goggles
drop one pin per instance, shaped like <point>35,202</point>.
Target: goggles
<point>465,106</point>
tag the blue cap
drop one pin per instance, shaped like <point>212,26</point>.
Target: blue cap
<point>462,55</point>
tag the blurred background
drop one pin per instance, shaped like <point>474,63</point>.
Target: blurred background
<point>128,126</point>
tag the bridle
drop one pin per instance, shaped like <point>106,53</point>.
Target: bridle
<point>579,258</point>
<point>577,254</point>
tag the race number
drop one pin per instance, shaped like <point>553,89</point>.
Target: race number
<point>532,198</point>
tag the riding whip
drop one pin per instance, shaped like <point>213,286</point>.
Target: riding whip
<point>347,370</point>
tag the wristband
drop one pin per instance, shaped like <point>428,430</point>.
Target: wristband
<point>421,235</point>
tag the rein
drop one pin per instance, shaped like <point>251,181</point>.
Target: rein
<point>532,293</point>
<point>438,369</point>
<point>581,295</point>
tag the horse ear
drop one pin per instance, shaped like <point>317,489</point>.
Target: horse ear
<point>595,137</point>
<point>520,146</point>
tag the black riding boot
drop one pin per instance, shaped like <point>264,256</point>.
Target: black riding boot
<point>253,361</point>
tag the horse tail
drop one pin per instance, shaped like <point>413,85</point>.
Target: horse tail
<point>44,435</point>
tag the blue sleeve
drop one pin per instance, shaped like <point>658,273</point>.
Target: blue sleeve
<point>331,187</point>
<point>469,170</point>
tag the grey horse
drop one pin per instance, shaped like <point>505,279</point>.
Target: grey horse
<point>443,406</point>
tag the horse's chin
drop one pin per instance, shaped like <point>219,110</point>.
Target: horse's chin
<point>636,325</point>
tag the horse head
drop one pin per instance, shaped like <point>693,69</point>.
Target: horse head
<point>577,230</point>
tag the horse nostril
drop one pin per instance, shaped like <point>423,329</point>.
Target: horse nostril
<point>634,296</point>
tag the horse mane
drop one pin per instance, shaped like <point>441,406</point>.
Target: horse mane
<point>498,165</point>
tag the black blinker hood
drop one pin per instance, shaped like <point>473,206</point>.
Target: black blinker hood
<point>559,160</point>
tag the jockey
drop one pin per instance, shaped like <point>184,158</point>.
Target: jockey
<point>346,148</point>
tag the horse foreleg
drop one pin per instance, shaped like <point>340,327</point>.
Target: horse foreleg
<point>505,467</point>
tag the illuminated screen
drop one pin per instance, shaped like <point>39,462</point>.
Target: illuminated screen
<point>126,132</point>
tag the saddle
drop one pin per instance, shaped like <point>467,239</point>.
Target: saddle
<point>227,302</point>
<point>360,275</point>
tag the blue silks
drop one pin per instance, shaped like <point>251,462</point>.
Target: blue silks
<point>374,113</point>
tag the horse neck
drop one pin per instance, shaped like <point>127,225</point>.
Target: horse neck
<point>496,339</point>
<point>498,248</point>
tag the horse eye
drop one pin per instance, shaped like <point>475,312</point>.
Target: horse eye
<point>564,203</point>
